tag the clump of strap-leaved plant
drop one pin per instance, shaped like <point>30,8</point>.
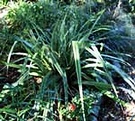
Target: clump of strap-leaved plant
<point>63,61</point>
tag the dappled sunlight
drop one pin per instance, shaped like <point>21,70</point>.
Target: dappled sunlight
<point>130,111</point>
<point>68,60</point>
<point>3,12</point>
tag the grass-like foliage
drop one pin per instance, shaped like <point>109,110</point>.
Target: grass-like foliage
<point>61,54</point>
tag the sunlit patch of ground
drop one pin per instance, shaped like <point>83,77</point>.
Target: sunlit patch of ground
<point>130,111</point>
<point>130,107</point>
<point>3,12</point>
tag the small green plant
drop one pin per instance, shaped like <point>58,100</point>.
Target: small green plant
<point>73,110</point>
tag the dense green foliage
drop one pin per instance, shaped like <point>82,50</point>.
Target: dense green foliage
<point>58,53</point>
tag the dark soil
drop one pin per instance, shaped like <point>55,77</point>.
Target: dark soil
<point>9,76</point>
<point>113,111</point>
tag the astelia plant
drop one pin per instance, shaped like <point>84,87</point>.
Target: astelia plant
<point>59,58</point>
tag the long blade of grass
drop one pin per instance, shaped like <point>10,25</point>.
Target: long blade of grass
<point>63,75</point>
<point>94,24</point>
<point>10,53</point>
<point>125,76</point>
<point>94,51</point>
<point>78,71</point>
<point>99,85</point>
